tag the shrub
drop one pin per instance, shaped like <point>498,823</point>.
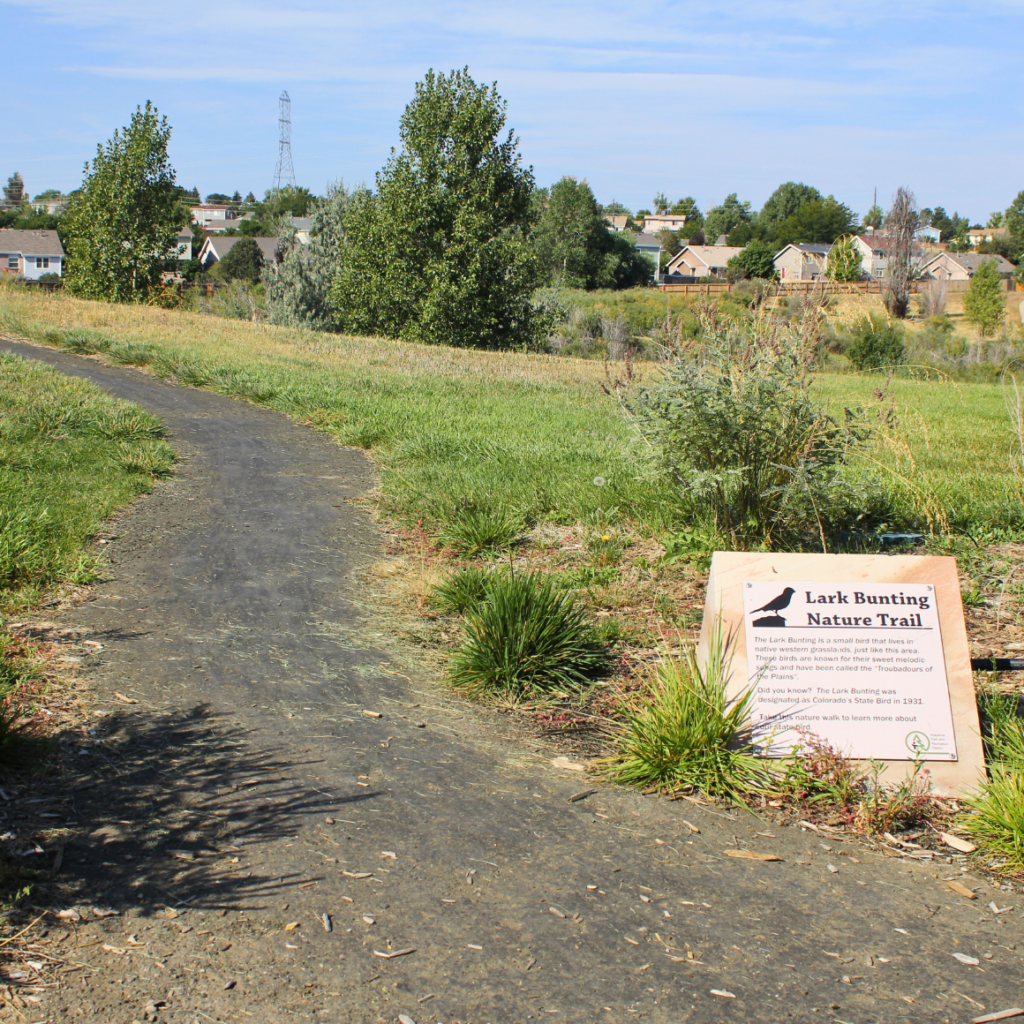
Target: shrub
<point>461,590</point>
<point>243,261</point>
<point>998,819</point>
<point>876,342</point>
<point>733,423</point>
<point>683,732</point>
<point>527,636</point>
<point>985,301</point>
<point>475,531</point>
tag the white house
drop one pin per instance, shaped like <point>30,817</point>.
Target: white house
<point>213,213</point>
<point>30,254</point>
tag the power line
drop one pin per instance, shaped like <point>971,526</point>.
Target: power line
<point>284,176</point>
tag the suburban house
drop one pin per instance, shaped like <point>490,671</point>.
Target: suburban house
<point>616,222</point>
<point>961,266</point>
<point>216,247</point>
<point>874,254</point>
<point>928,234</point>
<point>30,254</point>
<point>693,262</point>
<point>213,213</point>
<point>978,235</point>
<point>802,261</point>
<point>185,237</point>
<point>302,227</point>
<point>653,223</point>
<point>650,246</point>
<point>51,204</point>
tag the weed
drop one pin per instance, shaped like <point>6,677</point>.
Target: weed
<point>527,636</point>
<point>683,732</point>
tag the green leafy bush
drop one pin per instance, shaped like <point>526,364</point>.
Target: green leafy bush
<point>734,425</point>
<point>876,342</point>
<point>683,732</point>
<point>527,636</point>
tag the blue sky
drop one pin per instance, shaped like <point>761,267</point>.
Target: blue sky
<point>642,97</point>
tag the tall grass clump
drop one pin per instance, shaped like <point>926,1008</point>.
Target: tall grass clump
<point>997,819</point>
<point>528,636</point>
<point>733,421</point>
<point>475,531</point>
<point>682,731</point>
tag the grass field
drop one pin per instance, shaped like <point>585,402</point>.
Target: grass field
<point>70,455</point>
<point>527,433</point>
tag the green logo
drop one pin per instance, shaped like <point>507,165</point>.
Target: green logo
<point>917,743</point>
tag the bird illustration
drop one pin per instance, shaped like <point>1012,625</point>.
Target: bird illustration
<point>777,603</point>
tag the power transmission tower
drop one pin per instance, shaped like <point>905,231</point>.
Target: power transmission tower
<point>284,176</point>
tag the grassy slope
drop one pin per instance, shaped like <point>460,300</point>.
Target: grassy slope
<point>526,431</point>
<point>69,456</point>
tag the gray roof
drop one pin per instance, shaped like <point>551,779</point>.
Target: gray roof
<point>30,243</point>
<point>816,247</point>
<point>648,241</point>
<point>302,223</point>
<point>972,260</point>
<point>221,245</point>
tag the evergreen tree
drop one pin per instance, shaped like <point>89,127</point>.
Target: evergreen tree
<point>14,190</point>
<point>984,302</point>
<point>120,229</point>
<point>243,261</point>
<point>443,254</point>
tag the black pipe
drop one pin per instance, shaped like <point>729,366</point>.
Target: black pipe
<point>997,664</point>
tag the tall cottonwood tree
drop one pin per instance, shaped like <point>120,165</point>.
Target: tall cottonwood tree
<point>443,253</point>
<point>120,229</point>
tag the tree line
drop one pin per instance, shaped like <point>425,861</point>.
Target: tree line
<point>448,247</point>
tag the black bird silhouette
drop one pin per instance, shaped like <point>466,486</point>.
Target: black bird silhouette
<point>777,603</point>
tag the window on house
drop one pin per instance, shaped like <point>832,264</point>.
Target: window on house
<point>12,262</point>
<point>42,262</point>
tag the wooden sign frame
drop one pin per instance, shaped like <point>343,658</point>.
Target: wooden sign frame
<point>731,569</point>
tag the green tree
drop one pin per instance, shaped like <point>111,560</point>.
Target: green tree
<point>614,209</point>
<point>844,261</point>
<point>219,198</point>
<point>14,190</point>
<point>443,253</point>
<point>571,234</point>
<point>874,217</point>
<point>723,219</point>
<point>294,199</point>
<point>661,203</point>
<point>822,220</point>
<point>757,260</point>
<point>984,302</point>
<point>243,261</point>
<point>120,229</point>
<point>1014,220</point>
<point>783,203</point>
<point>236,199</point>
<point>995,220</point>
<point>689,209</point>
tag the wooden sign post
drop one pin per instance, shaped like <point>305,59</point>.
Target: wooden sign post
<point>868,652</point>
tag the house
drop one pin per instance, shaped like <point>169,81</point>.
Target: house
<point>212,213</point>
<point>52,203</point>
<point>874,254</point>
<point>616,222</point>
<point>216,247</point>
<point>928,234</point>
<point>650,246</point>
<point>653,223</point>
<point>978,235</point>
<point>804,261</point>
<point>693,262</point>
<point>184,241</point>
<point>302,225</point>
<point>30,254</point>
<point>961,266</point>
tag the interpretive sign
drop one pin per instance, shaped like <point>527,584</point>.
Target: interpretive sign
<point>867,652</point>
<point>860,661</point>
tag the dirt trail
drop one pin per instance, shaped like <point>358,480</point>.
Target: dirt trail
<point>249,791</point>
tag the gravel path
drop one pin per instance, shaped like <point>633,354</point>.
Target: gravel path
<point>277,770</point>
